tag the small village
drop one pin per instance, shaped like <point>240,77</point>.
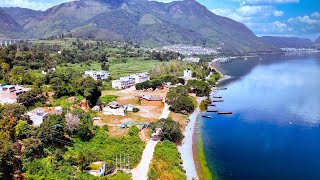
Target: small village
<point>126,108</point>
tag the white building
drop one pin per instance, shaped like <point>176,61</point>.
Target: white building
<point>191,59</point>
<point>123,83</point>
<point>140,77</point>
<point>97,168</point>
<point>128,81</point>
<point>96,75</point>
<point>39,114</point>
<point>10,93</point>
<point>187,74</point>
<point>114,108</point>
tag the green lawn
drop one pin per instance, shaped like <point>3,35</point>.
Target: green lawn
<point>118,69</point>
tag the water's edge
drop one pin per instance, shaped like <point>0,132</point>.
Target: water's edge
<point>200,160</point>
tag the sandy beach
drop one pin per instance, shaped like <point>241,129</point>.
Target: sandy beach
<point>186,148</point>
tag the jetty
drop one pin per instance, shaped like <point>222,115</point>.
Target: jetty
<point>224,112</point>
<point>217,100</point>
<point>212,110</point>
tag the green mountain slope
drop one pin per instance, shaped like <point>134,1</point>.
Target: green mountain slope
<point>150,23</point>
<point>9,27</point>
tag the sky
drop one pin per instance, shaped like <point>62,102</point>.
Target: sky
<point>299,18</point>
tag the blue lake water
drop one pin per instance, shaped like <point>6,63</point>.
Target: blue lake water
<point>274,131</point>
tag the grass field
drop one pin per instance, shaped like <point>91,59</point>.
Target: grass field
<point>118,69</point>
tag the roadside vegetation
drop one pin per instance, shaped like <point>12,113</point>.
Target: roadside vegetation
<point>166,162</point>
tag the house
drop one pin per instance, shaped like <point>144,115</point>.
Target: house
<point>187,74</point>
<point>149,100</point>
<point>131,80</point>
<point>39,114</point>
<point>130,108</point>
<point>10,93</point>
<point>157,134</point>
<point>140,77</point>
<point>123,83</point>
<point>114,108</point>
<point>96,75</point>
<point>97,168</point>
<point>96,108</point>
<point>191,59</point>
<point>48,71</point>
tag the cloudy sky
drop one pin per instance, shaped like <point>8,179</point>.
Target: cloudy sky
<point>265,17</point>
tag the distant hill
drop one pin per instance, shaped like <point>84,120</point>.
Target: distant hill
<point>9,27</point>
<point>318,40</point>
<point>149,23</point>
<point>22,15</point>
<point>287,42</point>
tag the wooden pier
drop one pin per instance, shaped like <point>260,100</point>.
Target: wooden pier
<point>224,113</point>
<point>217,100</point>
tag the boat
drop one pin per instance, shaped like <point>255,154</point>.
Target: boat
<point>223,88</point>
<point>217,96</point>
<point>211,105</point>
<point>206,116</point>
<point>217,100</point>
<point>224,113</point>
<point>212,110</point>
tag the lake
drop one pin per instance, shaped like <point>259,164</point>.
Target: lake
<point>274,131</point>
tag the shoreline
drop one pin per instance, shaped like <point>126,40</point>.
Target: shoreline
<point>224,77</point>
<point>202,168</point>
<point>200,161</point>
<point>186,148</point>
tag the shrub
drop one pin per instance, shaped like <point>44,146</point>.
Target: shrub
<point>136,110</point>
<point>133,131</point>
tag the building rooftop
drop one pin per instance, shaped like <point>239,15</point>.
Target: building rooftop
<point>94,166</point>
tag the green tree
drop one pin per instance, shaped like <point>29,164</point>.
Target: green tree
<point>201,88</point>
<point>171,130</point>
<point>53,128</point>
<point>22,129</point>
<point>90,89</point>
<point>6,159</point>
<point>183,104</point>
<point>14,110</point>
<point>31,97</point>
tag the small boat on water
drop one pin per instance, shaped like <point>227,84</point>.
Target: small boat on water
<point>211,105</point>
<point>212,110</point>
<point>223,88</point>
<point>217,100</point>
<point>224,112</point>
<point>217,96</point>
<point>206,116</point>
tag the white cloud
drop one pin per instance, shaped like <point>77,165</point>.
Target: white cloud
<point>278,13</point>
<point>313,19</point>
<point>31,4</point>
<point>249,13</point>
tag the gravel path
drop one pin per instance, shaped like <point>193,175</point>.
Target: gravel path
<point>186,148</point>
<point>141,171</point>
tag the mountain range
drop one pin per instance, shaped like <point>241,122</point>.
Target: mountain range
<point>149,23</point>
<point>291,42</point>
